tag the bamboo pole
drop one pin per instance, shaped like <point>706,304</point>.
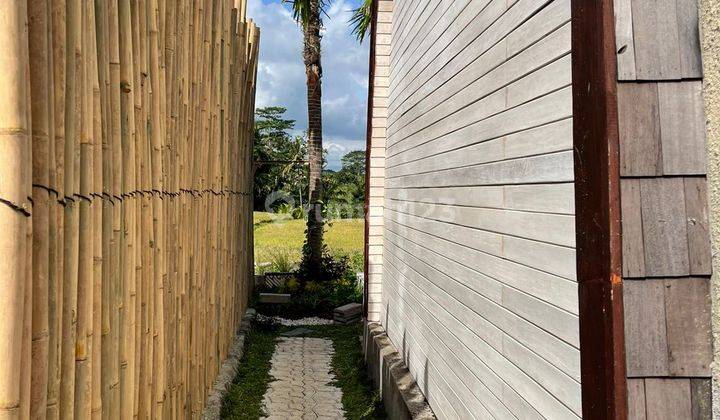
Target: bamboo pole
<point>98,133</point>
<point>40,105</point>
<point>117,244</point>
<point>83,360</point>
<point>14,127</point>
<point>56,283</point>
<point>127,254</point>
<point>130,274</point>
<point>73,93</point>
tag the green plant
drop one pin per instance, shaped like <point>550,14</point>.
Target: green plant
<point>361,401</point>
<point>329,268</point>
<point>245,395</point>
<point>282,260</point>
<point>315,299</point>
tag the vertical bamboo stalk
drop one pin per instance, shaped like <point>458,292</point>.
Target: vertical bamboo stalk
<point>102,344</point>
<point>56,283</point>
<point>73,92</point>
<point>157,137</point>
<point>98,132</point>
<point>127,255</point>
<point>40,104</point>
<point>14,127</point>
<point>118,244</point>
<point>83,361</point>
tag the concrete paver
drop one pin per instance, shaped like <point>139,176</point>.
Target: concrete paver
<point>302,388</point>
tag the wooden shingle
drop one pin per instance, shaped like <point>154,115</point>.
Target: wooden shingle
<point>668,399</point>
<point>701,394</point>
<point>657,43</point>
<point>682,124</point>
<point>632,239</point>
<point>696,208</point>
<point>636,399</point>
<point>664,227</point>
<point>639,125</point>
<point>689,36</point>
<point>687,312</point>
<point>645,332</point>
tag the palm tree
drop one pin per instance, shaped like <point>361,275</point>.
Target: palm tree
<point>361,19</point>
<point>308,13</point>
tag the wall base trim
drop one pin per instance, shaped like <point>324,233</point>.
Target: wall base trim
<point>228,370</point>
<point>401,395</point>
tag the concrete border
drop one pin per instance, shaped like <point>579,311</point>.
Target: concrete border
<point>228,370</point>
<point>401,395</point>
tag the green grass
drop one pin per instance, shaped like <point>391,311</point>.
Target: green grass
<point>245,395</point>
<point>360,400</point>
<point>277,237</point>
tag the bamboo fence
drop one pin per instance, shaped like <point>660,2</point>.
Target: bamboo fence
<point>125,203</point>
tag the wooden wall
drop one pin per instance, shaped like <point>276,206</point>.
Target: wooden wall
<point>666,246</point>
<point>478,284</point>
<point>126,132</point>
<point>376,167</point>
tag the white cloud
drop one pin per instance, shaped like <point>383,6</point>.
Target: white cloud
<point>281,73</point>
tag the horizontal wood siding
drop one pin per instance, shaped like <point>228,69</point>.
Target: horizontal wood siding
<point>479,287</point>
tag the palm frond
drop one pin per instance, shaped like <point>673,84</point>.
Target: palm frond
<point>301,9</point>
<point>361,20</point>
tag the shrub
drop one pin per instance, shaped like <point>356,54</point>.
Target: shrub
<point>330,268</point>
<point>282,260</point>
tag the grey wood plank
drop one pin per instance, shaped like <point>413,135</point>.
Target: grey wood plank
<point>624,42</point>
<point>682,124</point>
<point>664,227</point>
<point>689,35</point>
<point>632,230</point>
<point>668,399</point>
<point>549,108</point>
<point>645,331</point>
<point>701,394</point>
<point>556,167</point>
<point>657,44</point>
<point>552,289</point>
<point>639,125</point>
<point>636,399</point>
<point>551,198</point>
<point>696,208</point>
<point>687,310</point>
<point>553,137</point>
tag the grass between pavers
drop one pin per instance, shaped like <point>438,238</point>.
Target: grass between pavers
<point>360,400</point>
<point>244,397</point>
<point>275,235</point>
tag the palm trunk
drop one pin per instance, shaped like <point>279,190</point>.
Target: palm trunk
<point>313,71</point>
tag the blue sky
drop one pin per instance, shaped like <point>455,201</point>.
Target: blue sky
<point>281,73</point>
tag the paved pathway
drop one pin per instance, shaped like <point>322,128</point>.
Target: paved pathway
<point>302,389</point>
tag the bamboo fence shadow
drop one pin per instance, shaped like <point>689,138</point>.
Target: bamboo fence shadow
<point>125,203</point>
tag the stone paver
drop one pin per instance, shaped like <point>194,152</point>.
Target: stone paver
<point>302,388</point>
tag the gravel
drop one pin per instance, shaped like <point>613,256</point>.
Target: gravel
<point>296,322</point>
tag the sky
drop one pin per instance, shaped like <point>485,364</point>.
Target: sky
<point>281,73</point>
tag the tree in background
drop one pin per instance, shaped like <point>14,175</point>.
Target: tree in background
<point>345,189</point>
<point>308,14</point>
<point>278,156</point>
<point>361,19</point>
